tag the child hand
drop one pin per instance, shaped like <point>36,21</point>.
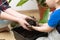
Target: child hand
<point>35,28</point>
<point>43,28</point>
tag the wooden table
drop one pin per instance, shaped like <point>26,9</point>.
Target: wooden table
<point>7,35</point>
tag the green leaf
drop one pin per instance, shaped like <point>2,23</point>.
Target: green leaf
<point>45,16</point>
<point>21,2</point>
<point>14,24</point>
<point>41,2</point>
<point>10,1</point>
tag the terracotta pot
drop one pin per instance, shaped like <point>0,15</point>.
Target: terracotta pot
<point>42,10</point>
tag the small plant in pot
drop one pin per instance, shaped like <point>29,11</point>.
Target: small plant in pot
<point>42,7</point>
<point>43,10</point>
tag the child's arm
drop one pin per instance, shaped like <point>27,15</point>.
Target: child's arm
<point>43,28</point>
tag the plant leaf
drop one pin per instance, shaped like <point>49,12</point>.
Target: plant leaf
<point>10,1</point>
<point>21,2</point>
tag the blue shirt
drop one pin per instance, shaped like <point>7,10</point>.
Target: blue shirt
<point>54,19</point>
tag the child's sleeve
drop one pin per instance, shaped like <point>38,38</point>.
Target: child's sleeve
<point>54,19</point>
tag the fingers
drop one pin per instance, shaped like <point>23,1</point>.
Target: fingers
<point>25,25</point>
<point>30,18</point>
<point>35,28</point>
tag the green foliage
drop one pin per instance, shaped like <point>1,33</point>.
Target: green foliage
<point>21,2</point>
<point>45,16</point>
<point>14,24</point>
<point>41,2</point>
<point>10,1</point>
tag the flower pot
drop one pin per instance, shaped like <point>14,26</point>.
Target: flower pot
<point>42,9</point>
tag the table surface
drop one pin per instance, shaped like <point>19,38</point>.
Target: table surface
<point>7,35</point>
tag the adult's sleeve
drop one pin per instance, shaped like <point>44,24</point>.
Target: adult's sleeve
<point>5,5</point>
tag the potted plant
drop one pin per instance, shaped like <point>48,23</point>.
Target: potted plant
<point>42,7</point>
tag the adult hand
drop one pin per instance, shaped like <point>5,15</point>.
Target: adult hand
<point>23,23</point>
